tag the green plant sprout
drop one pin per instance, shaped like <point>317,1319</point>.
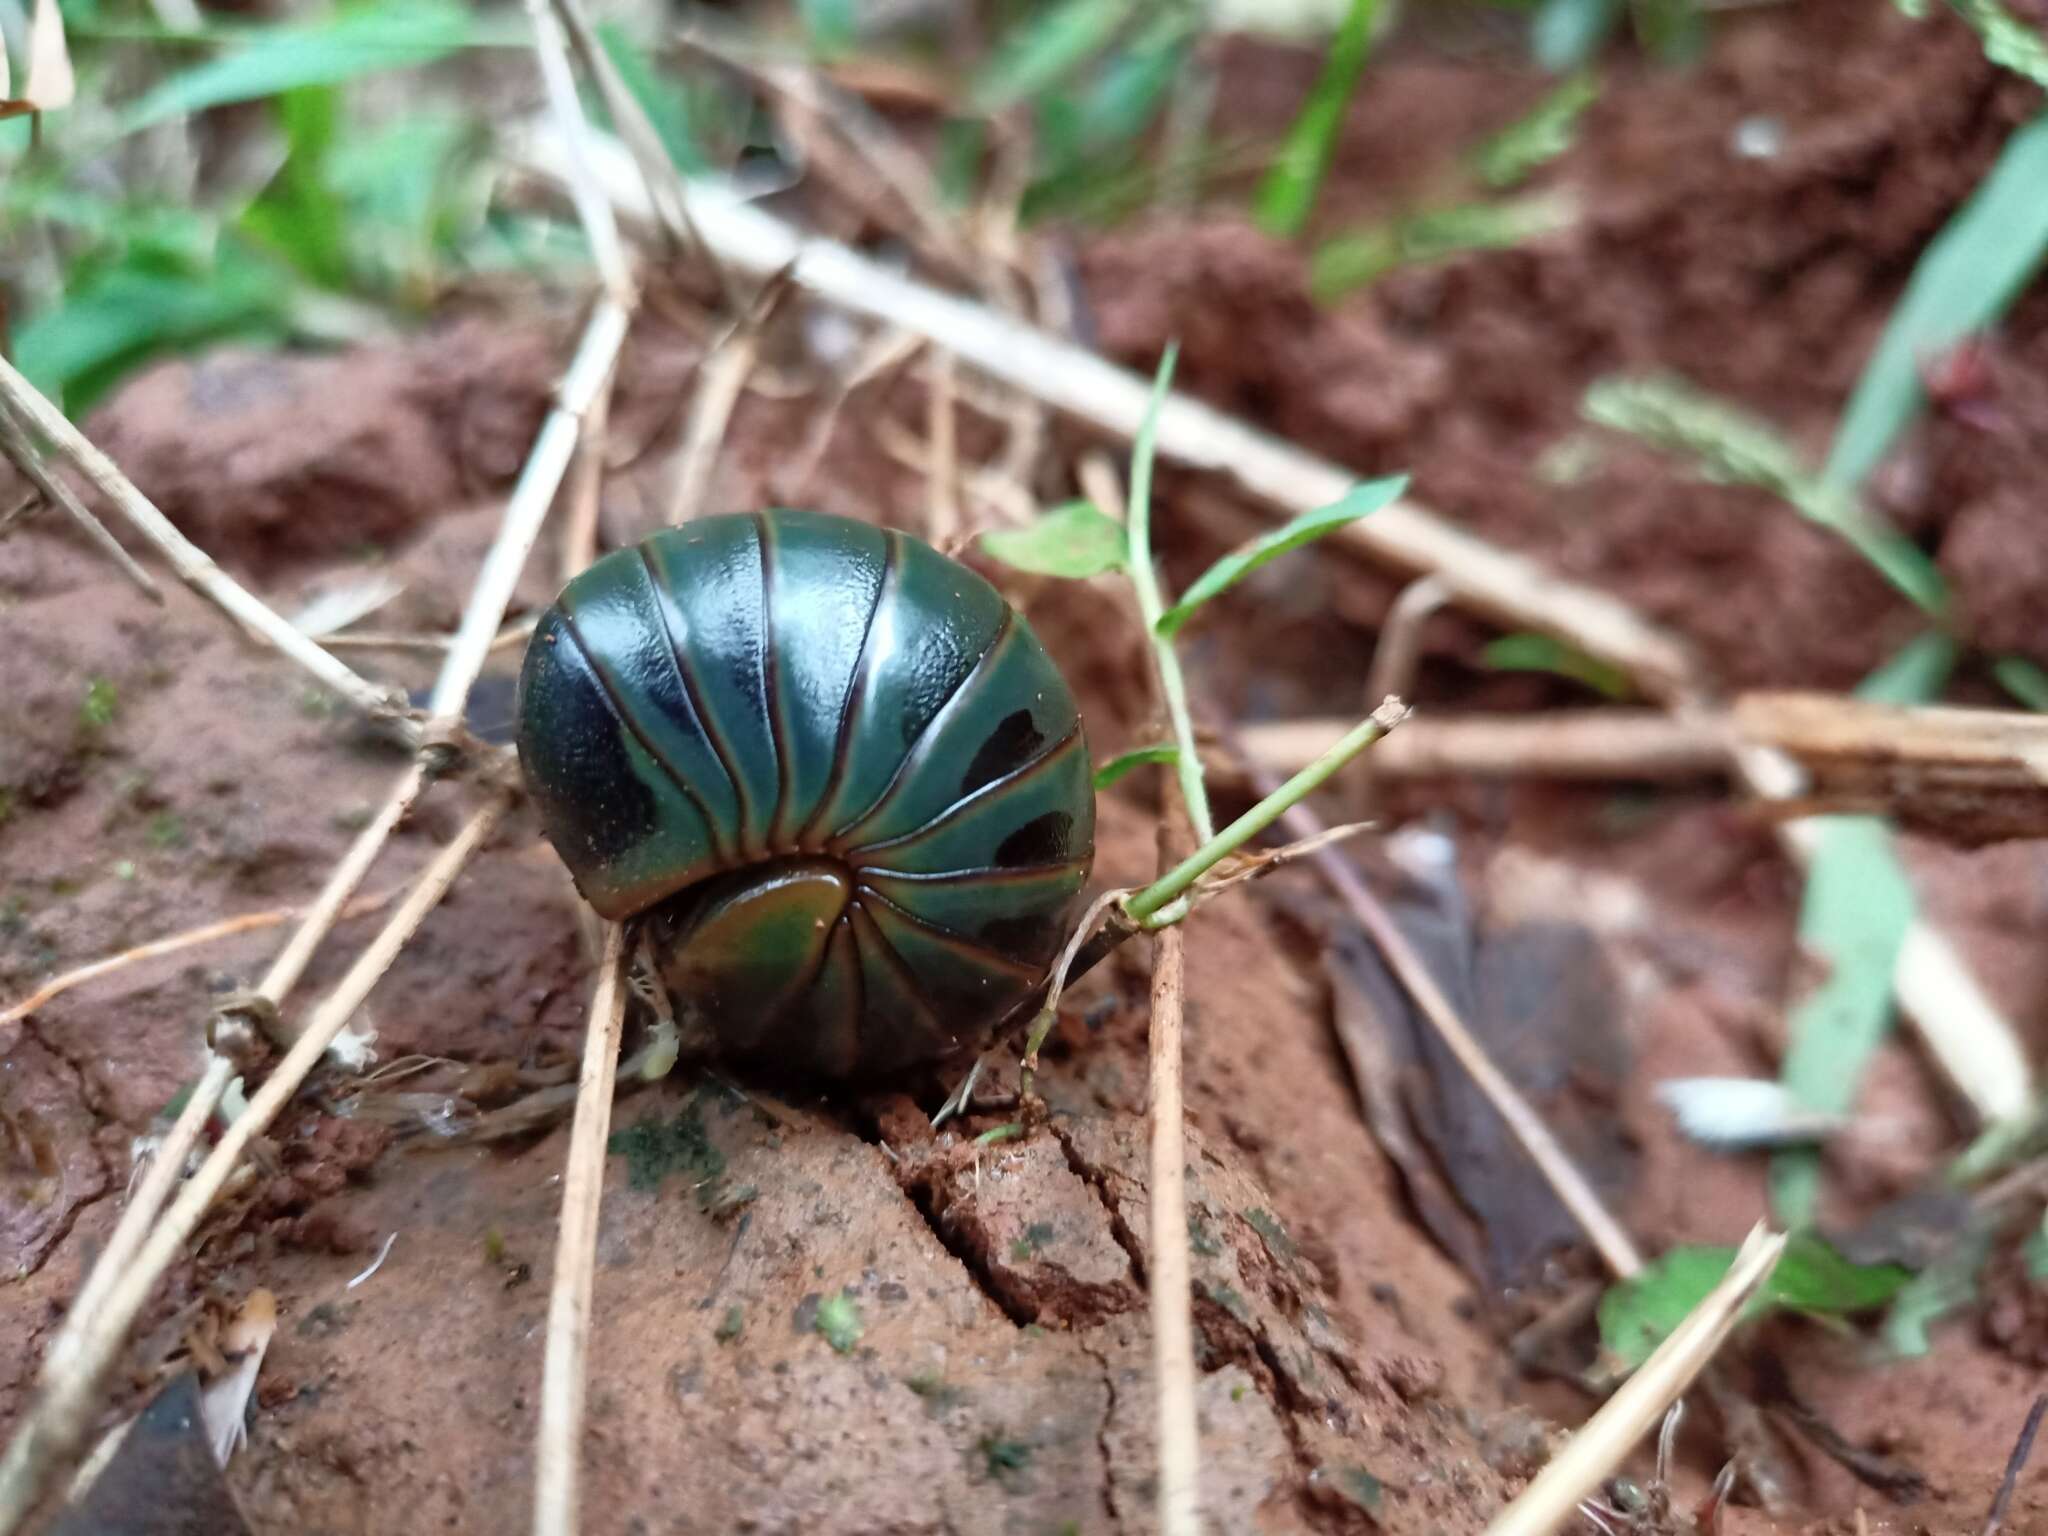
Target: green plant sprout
<point>1079,540</point>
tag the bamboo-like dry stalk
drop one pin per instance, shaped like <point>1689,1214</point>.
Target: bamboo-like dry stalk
<point>565,1366</point>
<point>1173,1320</point>
<point>1597,1450</point>
<point>54,1428</point>
<point>20,448</point>
<point>1275,474</point>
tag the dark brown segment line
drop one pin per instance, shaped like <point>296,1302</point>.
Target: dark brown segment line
<point>719,748</point>
<point>771,681</point>
<point>609,688</point>
<point>911,753</point>
<point>853,693</point>
<point>954,939</point>
<point>994,786</point>
<point>905,977</point>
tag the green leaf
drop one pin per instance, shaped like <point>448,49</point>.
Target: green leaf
<point>1361,256</point>
<point>2023,679</point>
<point>1139,757</point>
<point>1547,131</point>
<point>839,1322</point>
<point>127,313</point>
<point>1361,501</point>
<point>1968,275</point>
<point>299,215</point>
<point>1638,1314</point>
<point>1730,446</point>
<point>1565,33</point>
<point>1541,653</point>
<point>1287,195</point>
<point>397,34</point>
<point>1044,49</point>
<point>1073,541</point>
<point>1853,919</point>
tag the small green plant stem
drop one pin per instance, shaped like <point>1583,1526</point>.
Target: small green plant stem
<point>1151,907</point>
<point>1152,606</point>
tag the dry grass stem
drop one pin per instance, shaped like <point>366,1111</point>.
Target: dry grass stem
<point>593,208</point>
<point>54,1428</point>
<point>1279,476</point>
<point>20,448</point>
<point>512,634</point>
<point>1398,651</point>
<point>577,545</point>
<point>2014,1465</point>
<point>1592,744</point>
<point>1173,1321</point>
<point>166,1168</point>
<point>193,565</point>
<point>1603,1230</point>
<point>659,179</point>
<point>568,1339</point>
<point>721,379</point>
<point>1598,1449</point>
<point>589,371</point>
<point>207,933</point>
<point>881,354</point>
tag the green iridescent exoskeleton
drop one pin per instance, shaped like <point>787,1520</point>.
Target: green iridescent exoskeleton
<point>830,770</point>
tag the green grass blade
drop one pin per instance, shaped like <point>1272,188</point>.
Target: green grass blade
<point>1074,541</point>
<point>1362,501</point>
<point>1968,275</point>
<point>393,35</point>
<point>1733,447</point>
<point>1140,757</point>
<point>1511,156</point>
<point>1857,907</point>
<point>1287,195</point>
<point>1044,49</point>
<point>2023,679</point>
<point>1349,261</point>
<point>2008,42</point>
<point>1542,653</point>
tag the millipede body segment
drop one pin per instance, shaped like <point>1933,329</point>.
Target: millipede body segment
<point>832,772</point>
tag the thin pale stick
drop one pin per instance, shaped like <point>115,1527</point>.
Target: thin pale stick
<point>721,380</point>
<point>1281,477</point>
<point>16,444</point>
<point>393,640</point>
<point>661,183</point>
<point>1597,1450</point>
<point>568,1339</point>
<point>1173,1322</point>
<point>193,565</point>
<point>165,1170</point>
<point>593,208</point>
<point>1616,1249</point>
<point>209,933</point>
<point>1591,744</point>
<point>55,1425</point>
<point>1399,649</point>
<point>596,356</point>
<point>577,546</point>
